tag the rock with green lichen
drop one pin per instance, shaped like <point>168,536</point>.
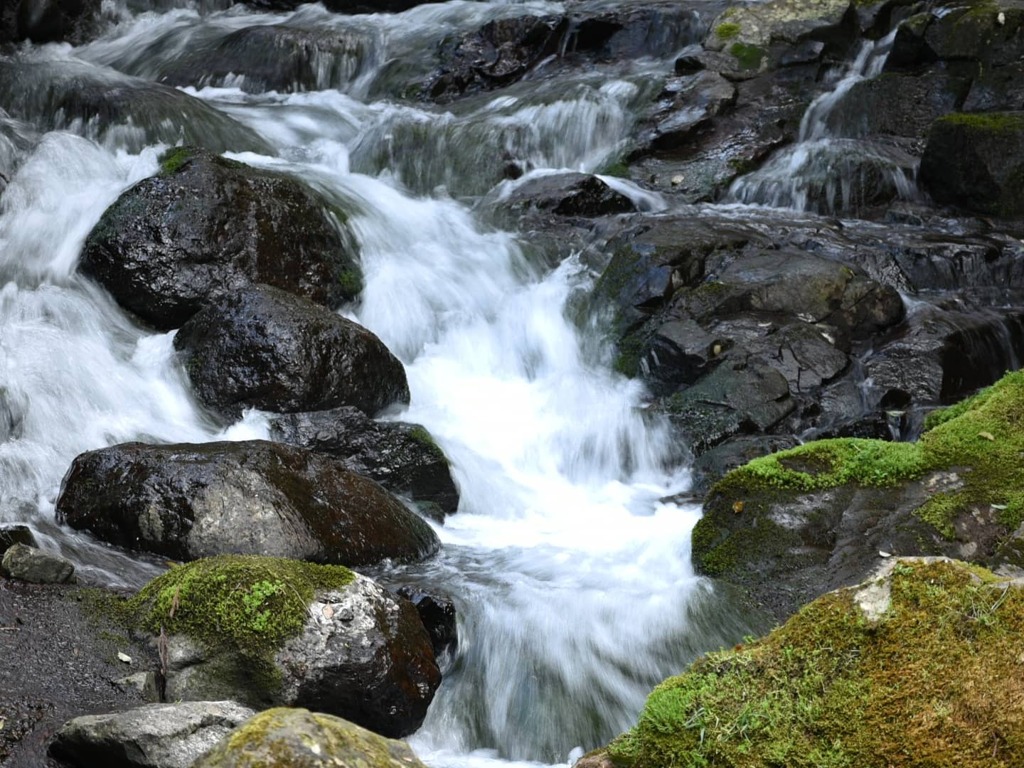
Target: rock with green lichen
<point>205,227</point>
<point>251,497</point>
<point>402,457</point>
<point>919,665</point>
<point>796,523</point>
<point>269,631</point>
<point>261,347</point>
<point>298,738</point>
<point>976,162</point>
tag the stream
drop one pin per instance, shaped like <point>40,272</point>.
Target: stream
<point>569,570</point>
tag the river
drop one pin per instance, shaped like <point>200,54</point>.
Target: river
<point>571,575</point>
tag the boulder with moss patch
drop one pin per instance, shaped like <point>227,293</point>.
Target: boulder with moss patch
<point>253,497</point>
<point>207,226</point>
<point>302,739</point>
<point>794,524</point>
<point>269,631</point>
<point>918,666</point>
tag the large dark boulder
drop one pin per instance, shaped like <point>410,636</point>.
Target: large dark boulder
<point>268,631</point>
<point>206,226</point>
<point>976,162</point>
<point>48,21</point>
<point>190,501</point>
<point>116,109</point>
<point>264,348</point>
<point>401,457</point>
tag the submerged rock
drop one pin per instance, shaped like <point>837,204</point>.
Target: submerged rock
<point>190,501</point>
<point>205,227</point>
<point>261,347</point>
<point>793,524</point>
<point>402,457</point>
<point>303,739</point>
<point>267,631</point>
<point>152,736</point>
<point>49,21</point>
<point>914,665</point>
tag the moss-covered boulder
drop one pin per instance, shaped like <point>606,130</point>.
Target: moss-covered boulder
<point>976,162</point>
<point>252,497</point>
<point>299,738</point>
<point>206,226</point>
<point>918,666</point>
<point>794,524</point>
<point>270,631</point>
<point>261,347</point>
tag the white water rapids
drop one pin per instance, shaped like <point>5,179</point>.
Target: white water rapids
<point>572,580</point>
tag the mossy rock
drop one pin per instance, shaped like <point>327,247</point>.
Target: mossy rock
<point>919,666</point>
<point>243,604</point>
<point>794,523</point>
<point>298,738</point>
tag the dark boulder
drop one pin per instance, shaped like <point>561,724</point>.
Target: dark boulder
<point>109,107</point>
<point>49,21</point>
<point>401,457</point>
<point>567,194</point>
<point>499,53</point>
<point>438,616</point>
<point>191,501</point>
<point>11,534</point>
<point>684,107</point>
<point>976,162</point>
<point>206,226</point>
<point>261,347</point>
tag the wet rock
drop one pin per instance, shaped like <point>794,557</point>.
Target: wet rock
<point>190,501</point>
<point>715,463</point>
<point>292,634</point>
<point>976,162</point>
<point>206,226</point>
<point>635,30</point>
<point>152,736</point>
<point>816,517</point>
<point>684,106</point>
<point>273,58</point>
<point>567,194</point>
<point>116,109</point>
<point>499,53</point>
<point>11,534</point>
<point>49,21</point>
<point>438,616</point>
<point>401,457</point>
<point>27,563</point>
<point>264,348</point>
<point>307,740</point>
<point>739,397</point>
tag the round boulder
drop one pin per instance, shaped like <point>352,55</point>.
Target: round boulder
<point>264,348</point>
<point>206,226</point>
<point>190,501</point>
<point>304,739</point>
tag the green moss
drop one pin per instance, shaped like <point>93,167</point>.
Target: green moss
<point>618,169</point>
<point>174,158</point>
<point>935,681</point>
<point>748,56</point>
<point>982,438</point>
<point>990,122</point>
<point>241,603</point>
<point>351,282</point>
<point>727,30</point>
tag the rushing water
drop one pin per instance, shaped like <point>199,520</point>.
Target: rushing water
<point>572,578</point>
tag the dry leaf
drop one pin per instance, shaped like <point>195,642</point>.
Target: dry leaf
<point>987,435</point>
<point>328,612</point>
<point>737,507</point>
<point>124,657</point>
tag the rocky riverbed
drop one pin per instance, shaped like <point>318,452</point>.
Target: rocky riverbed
<point>483,300</point>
